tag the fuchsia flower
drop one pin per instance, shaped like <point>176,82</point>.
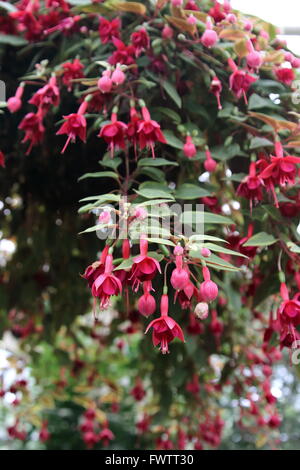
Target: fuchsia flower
<point>74,125</point>
<point>209,38</point>
<point>201,310</point>
<point>149,131</point>
<point>106,284</point>
<point>251,186</point>
<point>285,75</point>
<point>144,267</point>
<point>146,303</point>
<point>106,435</point>
<point>118,76</point>
<point>105,83</point>
<point>254,58</point>
<point>14,103</point>
<point>108,30</point>
<point>123,55</point>
<point>216,89</point>
<point>140,40</point>
<point>180,276</point>
<point>94,270</point>
<point>165,329</point>
<point>239,81</point>
<point>289,309</point>
<point>208,288</point>
<point>189,148</point>
<point>2,159</point>
<point>72,70</point>
<point>46,96</point>
<point>132,128</point>
<point>114,133</point>
<point>33,127</point>
<point>210,164</point>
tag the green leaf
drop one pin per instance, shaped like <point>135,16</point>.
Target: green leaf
<point>126,264</point>
<point>293,247</point>
<point>153,190</point>
<point>190,191</point>
<point>226,153</point>
<point>160,241</point>
<point>214,261</point>
<point>172,92</point>
<point>94,228</point>
<point>260,239</point>
<point>109,162</point>
<point>153,173</point>
<point>210,218</point>
<point>11,40</point>
<point>153,202</point>
<point>257,102</point>
<point>257,142</point>
<point>192,217</point>
<point>156,162</point>
<point>206,237</point>
<point>169,113</point>
<point>172,140</point>
<point>99,174</point>
<point>220,249</point>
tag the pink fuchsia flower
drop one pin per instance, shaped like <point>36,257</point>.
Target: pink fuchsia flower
<point>180,276</point>
<point>114,133</point>
<point>105,83</point>
<point>140,40</point>
<point>106,435</point>
<point>123,54</point>
<point>108,30</point>
<point>165,329</point>
<point>149,131</point>
<point>208,288</point>
<point>185,295</point>
<point>217,12</point>
<point>144,267</point>
<point>285,75</point>
<point>189,148</point>
<point>44,434</point>
<point>167,32</point>
<point>46,96</point>
<point>2,159</point>
<point>72,70</point>
<point>94,270</point>
<point>141,213</point>
<point>138,392</point>
<point>74,126</point>
<point>209,38</point>
<point>14,103</point>
<point>33,127</point>
<point>146,303</point>
<point>106,285</point>
<point>132,128</point>
<point>118,76</point>
<point>239,81</point>
<point>254,58</point>
<point>210,164</point>
<point>216,89</point>
<point>251,186</point>
<point>205,252</point>
<point>289,309</point>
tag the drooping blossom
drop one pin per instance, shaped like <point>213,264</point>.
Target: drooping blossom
<point>71,71</point>
<point>106,435</point>
<point>32,125</point>
<point>201,310</point>
<point>180,276</point>
<point>251,186</point>
<point>189,148</point>
<point>285,75</point>
<point>94,270</point>
<point>118,77</point>
<point>105,83</point>
<point>254,58</point>
<point>208,288</point>
<point>149,131</point>
<point>140,40</point>
<point>144,267</point>
<point>209,38</point>
<point>114,133</point>
<point>146,303</point>
<point>108,30</point>
<point>123,54</point>
<point>289,309</point>
<point>239,81</point>
<point>138,392</point>
<point>14,103</point>
<point>165,329</point>
<point>106,284</point>
<point>74,126</point>
<point>209,164</point>
<point>216,89</point>
<point>46,96</point>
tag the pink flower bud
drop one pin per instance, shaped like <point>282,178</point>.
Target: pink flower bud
<point>209,164</point>
<point>178,250</point>
<point>254,60</point>
<point>146,305</point>
<point>189,148</point>
<point>141,213</point>
<point>248,25</point>
<point>191,19</point>
<point>118,77</point>
<point>295,63</point>
<point>105,84</point>
<point>288,56</point>
<point>14,104</point>
<point>179,278</point>
<point>209,38</point>
<point>205,252</point>
<point>201,310</point>
<point>209,291</point>
<point>167,32</point>
<point>231,18</point>
<point>104,217</point>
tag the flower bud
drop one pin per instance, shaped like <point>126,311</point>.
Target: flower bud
<point>208,291</point>
<point>146,305</point>
<point>201,310</point>
<point>209,38</point>
<point>118,76</point>
<point>205,252</point>
<point>105,84</point>
<point>179,279</point>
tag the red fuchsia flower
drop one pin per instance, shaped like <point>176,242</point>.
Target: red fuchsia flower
<point>108,30</point>
<point>193,386</point>
<point>185,295</point>
<point>149,131</point>
<point>106,285</point>
<point>72,70</point>
<point>146,303</point>
<point>144,267</point>
<point>90,439</point>
<point>106,435</point>
<point>118,76</point>
<point>191,5</point>
<point>189,148</point>
<point>254,58</point>
<point>44,435</point>
<point>289,309</point>
<point>239,81</point>
<point>251,186</point>
<point>33,127</point>
<point>123,55</point>
<point>180,276</point>
<point>274,421</point>
<point>217,12</point>
<point>209,38</point>
<point>105,83</point>
<point>208,288</point>
<point>194,326</point>
<point>132,128</point>
<point>58,3</point>
<point>46,96</point>
<point>285,75</point>
<point>201,310</point>
<point>114,133</point>
<point>74,126</point>
<point>138,392</point>
<point>165,329</point>
<point>14,103</point>
<point>210,164</point>
<point>123,274</point>
<point>216,89</point>
<point>2,159</point>
<point>140,40</point>
<point>94,270</point>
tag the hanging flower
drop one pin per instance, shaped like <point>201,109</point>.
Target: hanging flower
<point>285,75</point>
<point>149,131</point>
<point>140,40</point>
<point>239,81</point>
<point>114,133</point>
<point>33,127</point>
<point>216,89</point>
<point>208,288</point>
<point>46,96</point>
<point>71,71</point>
<point>209,38</point>
<point>74,126</point>
<point>107,284</point>
<point>251,186</point>
<point>108,30</point>
<point>144,267</point>
<point>189,148</point>
<point>14,103</point>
